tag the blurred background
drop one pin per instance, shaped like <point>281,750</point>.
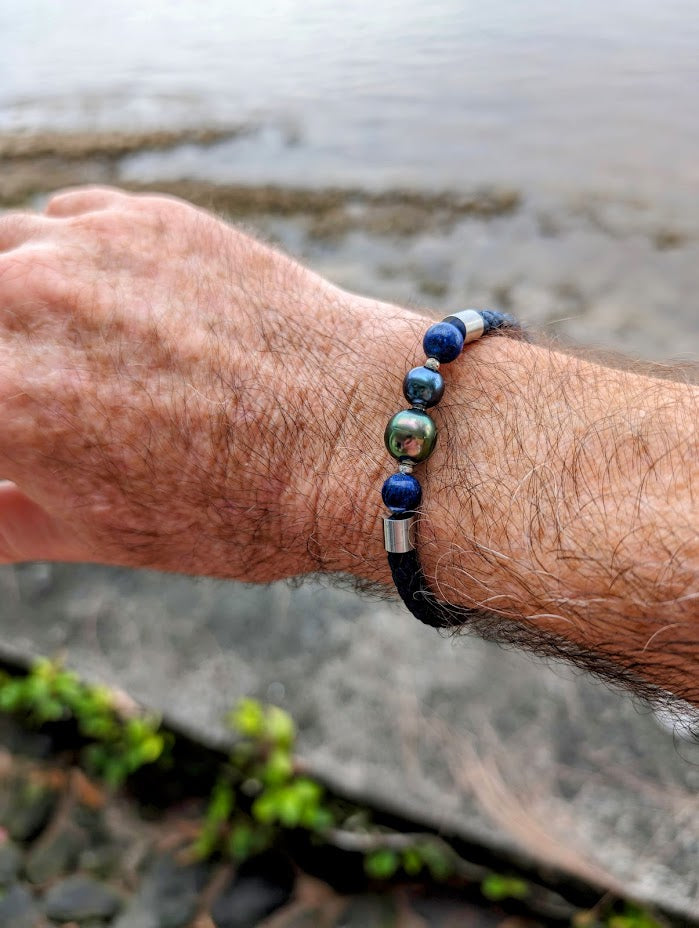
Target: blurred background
<point>541,158</point>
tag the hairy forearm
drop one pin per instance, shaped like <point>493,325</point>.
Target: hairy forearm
<point>177,396</point>
<point>561,501</point>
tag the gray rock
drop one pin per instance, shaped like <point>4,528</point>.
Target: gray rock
<point>167,897</point>
<point>101,860</point>
<point>18,909</point>
<point>81,899</point>
<point>441,913</point>
<point>462,736</point>
<point>25,808</point>
<point>56,852</point>
<point>368,912</point>
<point>16,738</point>
<point>305,918</point>
<point>137,915</point>
<point>247,902</point>
<point>260,887</point>
<point>10,862</point>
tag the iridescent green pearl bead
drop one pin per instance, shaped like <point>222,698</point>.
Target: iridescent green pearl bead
<point>410,435</point>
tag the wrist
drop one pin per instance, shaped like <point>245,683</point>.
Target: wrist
<point>384,339</point>
<point>350,512</point>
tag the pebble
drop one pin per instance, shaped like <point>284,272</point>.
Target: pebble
<point>368,912</point>
<point>26,809</point>
<point>260,887</point>
<point>307,918</point>
<point>446,913</point>
<point>18,909</point>
<point>56,853</point>
<point>79,899</point>
<point>10,861</point>
<point>168,896</point>
<point>101,860</point>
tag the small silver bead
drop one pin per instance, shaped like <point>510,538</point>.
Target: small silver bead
<point>406,468</point>
<point>432,364</point>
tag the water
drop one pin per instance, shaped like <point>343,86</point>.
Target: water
<point>581,96</point>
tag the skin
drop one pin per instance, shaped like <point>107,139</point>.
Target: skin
<point>176,395</point>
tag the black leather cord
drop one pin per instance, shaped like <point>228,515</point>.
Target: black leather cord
<point>413,590</point>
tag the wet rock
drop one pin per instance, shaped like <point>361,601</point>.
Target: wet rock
<point>27,807</point>
<point>168,896</point>
<point>137,915</point>
<point>305,918</point>
<point>260,888</point>
<point>18,739</point>
<point>56,852</point>
<point>368,912</point>
<point>18,909</point>
<point>101,860</point>
<point>444,913</point>
<point>34,580</point>
<point>81,899</point>
<point>10,862</point>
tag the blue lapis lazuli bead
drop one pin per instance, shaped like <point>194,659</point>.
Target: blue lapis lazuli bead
<point>443,341</point>
<point>401,493</point>
<point>423,387</point>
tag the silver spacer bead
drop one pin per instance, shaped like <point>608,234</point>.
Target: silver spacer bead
<point>396,534</point>
<point>473,323</point>
<point>432,364</point>
<point>407,467</point>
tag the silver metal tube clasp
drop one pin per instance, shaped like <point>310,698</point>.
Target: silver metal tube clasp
<point>473,323</point>
<point>397,534</point>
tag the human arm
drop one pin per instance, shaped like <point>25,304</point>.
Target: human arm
<point>176,395</point>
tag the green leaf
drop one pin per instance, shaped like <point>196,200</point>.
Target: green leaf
<point>265,807</point>
<point>248,718</point>
<point>279,727</point>
<point>68,688</point>
<point>151,748</point>
<point>632,917</point>
<point>436,859</point>
<point>308,790</point>
<point>45,668</point>
<point>289,808</point>
<point>412,862</point>
<point>382,864</point>
<point>101,698</point>
<point>11,696</point>
<point>206,841</point>
<point>222,803</point>
<point>278,768</point>
<point>241,842</point>
<point>100,728</point>
<point>49,710</point>
<point>317,819</point>
<point>497,887</point>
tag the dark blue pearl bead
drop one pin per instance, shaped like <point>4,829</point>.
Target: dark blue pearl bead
<point>443,341</point>
<point>401,493</point>
<point>423,387</point>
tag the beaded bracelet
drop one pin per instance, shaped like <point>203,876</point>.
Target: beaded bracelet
<point>410,438</point>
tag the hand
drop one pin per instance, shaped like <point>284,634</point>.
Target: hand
<point>176,395</point>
